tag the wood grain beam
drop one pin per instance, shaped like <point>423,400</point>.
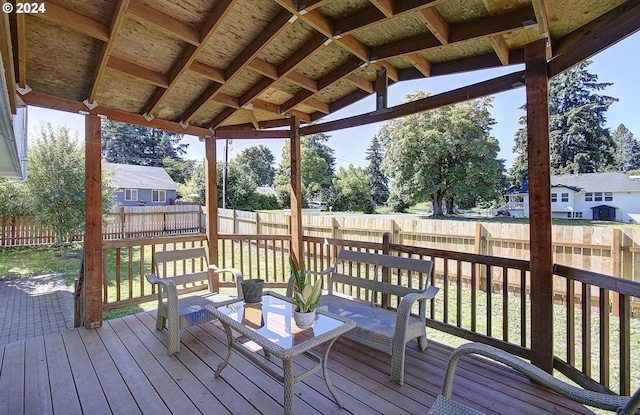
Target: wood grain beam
<point>308,5</point>
<point>75,21</point>
<point>481,89</point>
<point>385,6</point>
<point>318,106</point>
<point>436,24</point>
<point>249,134</point>
<point>501,48</point>
<point>595,36</point>
<point>168,24</point>
<point>481,28</point>
<point>360,83</point>
<point>107,47</point>
<point>138,72</point>
<point>209,72</point>
<point>19,41</point>
<point>382,89</point>
<point>420,63</point>
<point>7,60</point>
<point>543,24</point>
<point>302,81</point>
<point>213,22</point>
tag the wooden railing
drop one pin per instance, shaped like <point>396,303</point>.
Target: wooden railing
<point>482,298</point>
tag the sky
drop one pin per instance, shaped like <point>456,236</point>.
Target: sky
<point>618,64</point>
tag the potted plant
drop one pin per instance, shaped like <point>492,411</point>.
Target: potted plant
<point>306,296</point>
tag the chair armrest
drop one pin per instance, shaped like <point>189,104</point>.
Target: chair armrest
<point>237,276</point>
<point>404,311</point>
<point>586,397</point>
<point>167,283</point>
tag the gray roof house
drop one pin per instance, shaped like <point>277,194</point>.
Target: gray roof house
<point>593,196</point>
<point>141,185</point>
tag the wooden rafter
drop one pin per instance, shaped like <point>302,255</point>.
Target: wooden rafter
<point>116,22</point>
<point>482,28</point>
<point>283,70</point>
<point>75,21</point>
<point>601,33</point>
<point>138,72</point>
<point>360,83</point>
<point>385,6</point>
<point>222,9</point>
<point>501,48</point>
<point>164,22</point>
<point>276,26</point>
<point>436,24</point>
<point>543,24</point>
<point>19,41</point>
<point>308,5</point>
<point>420,63</point>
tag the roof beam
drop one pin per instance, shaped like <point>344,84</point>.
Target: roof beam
<point>274,28</point>
<point>140,11</point>
<point>481,28</point>
<point>385,6</point>
<point>304,6</point>
<point>283,70</point>
<point>19,40</point>
<point>481,89</point>
<point>7,60</point>
<point>543,24</point>
<point>273,108</point>
<point>420,63</point>
<point>116,22</point>
<point>341,72</point>
<point>137,71</point>
<point>209,72</point>
<point>221,10</point>
<point>360,83</point>
<point>595,36</point>
<point>75,21</point>
<point>501,48</point>
<point>436,24</point>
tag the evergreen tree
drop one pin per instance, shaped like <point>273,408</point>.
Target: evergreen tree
<point>378,182</point>
<point>628,150</point>
<point>519,171</point>
<point>317,142</point>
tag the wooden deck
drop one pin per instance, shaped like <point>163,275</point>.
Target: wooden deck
<point>123,368</point>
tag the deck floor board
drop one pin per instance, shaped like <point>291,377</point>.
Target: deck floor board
<point>123,368</point>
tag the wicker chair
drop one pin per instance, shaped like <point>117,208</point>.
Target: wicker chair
<point>179,313</point>
<point>445,406</point>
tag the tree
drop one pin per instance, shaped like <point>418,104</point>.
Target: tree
<point>56,184</point>
<point>317,142</point>
<point>353,185</point>
<point>628,150</point>
<point>442,154</point>
<point>378,182</point>
<point>314,173</point>
<point>133,144</point>
<point>13,201</point>
<point>258,162</point>
<point>579,142</point>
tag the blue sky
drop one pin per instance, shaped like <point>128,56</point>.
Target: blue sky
<point>619,65</point>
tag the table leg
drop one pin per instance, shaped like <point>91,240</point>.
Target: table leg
<point>325,373</point>
<point>223,364</point>
<point>288,386</point>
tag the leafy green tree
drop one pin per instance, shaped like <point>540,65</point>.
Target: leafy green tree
<point>178,169</point>
<point>579,142</point>
<point>258,162</point>
<point>353,185</point>
<point>314,174</point>
<point>628,149</point>
<point>441,154</point>
<point>318,142</point>
<point>378,181</point>
<point>13,200</point>
<point>194,189</point>
<point>520,169</point>
<point>56,182</point>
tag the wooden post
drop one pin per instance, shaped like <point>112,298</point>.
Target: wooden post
<point>93,222</point>
<point>382,85</point>
<point>211,203</point>
<point>541,263</point>
<point>296,194</point>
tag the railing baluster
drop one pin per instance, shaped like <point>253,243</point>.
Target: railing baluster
<point>625,345</point>
<point>604,338</point>
<point>586,329</point>
<point>445,293</point>
<point>571,322</point>
<point>523,308</point>
<point>474,299</point>
<point>489,304</point>
<point>459,293</point>
<point>505,304</point>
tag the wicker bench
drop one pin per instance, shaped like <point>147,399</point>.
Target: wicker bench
<point>382,329</point>
<point>186,311</point>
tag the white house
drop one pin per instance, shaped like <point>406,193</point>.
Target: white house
<point>593,196</point>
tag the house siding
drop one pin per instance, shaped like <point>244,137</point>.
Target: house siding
<point>144,195</point>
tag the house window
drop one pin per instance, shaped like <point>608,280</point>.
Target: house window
<point>597,196</point>
<point>130,195</point>
<point>588,197</point>
<point>608,196</point>
<point>158,196</point>
<point>577,215</point>
<point>554,197</point>
<point>565,197</point>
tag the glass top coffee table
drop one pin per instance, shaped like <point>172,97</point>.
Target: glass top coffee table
<point>270,325</point>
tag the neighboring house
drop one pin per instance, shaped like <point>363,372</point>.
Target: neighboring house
<point>141,185</point>
<point>593,196</point>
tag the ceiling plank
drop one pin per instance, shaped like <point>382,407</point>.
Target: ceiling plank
<point>501,48</point>
<point>215,19</point>
<point>420,63</point>
<point>436,24</point>
<point>137,71</point>
<point>595,36</point>
<point>481,89</point>
<point>7,60</point>
<point>140,11</point>
<point>107,47</point>
<point>361,19</point>
<point>75,21</point>
<point>276,26</point>
<point>481,28</point>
